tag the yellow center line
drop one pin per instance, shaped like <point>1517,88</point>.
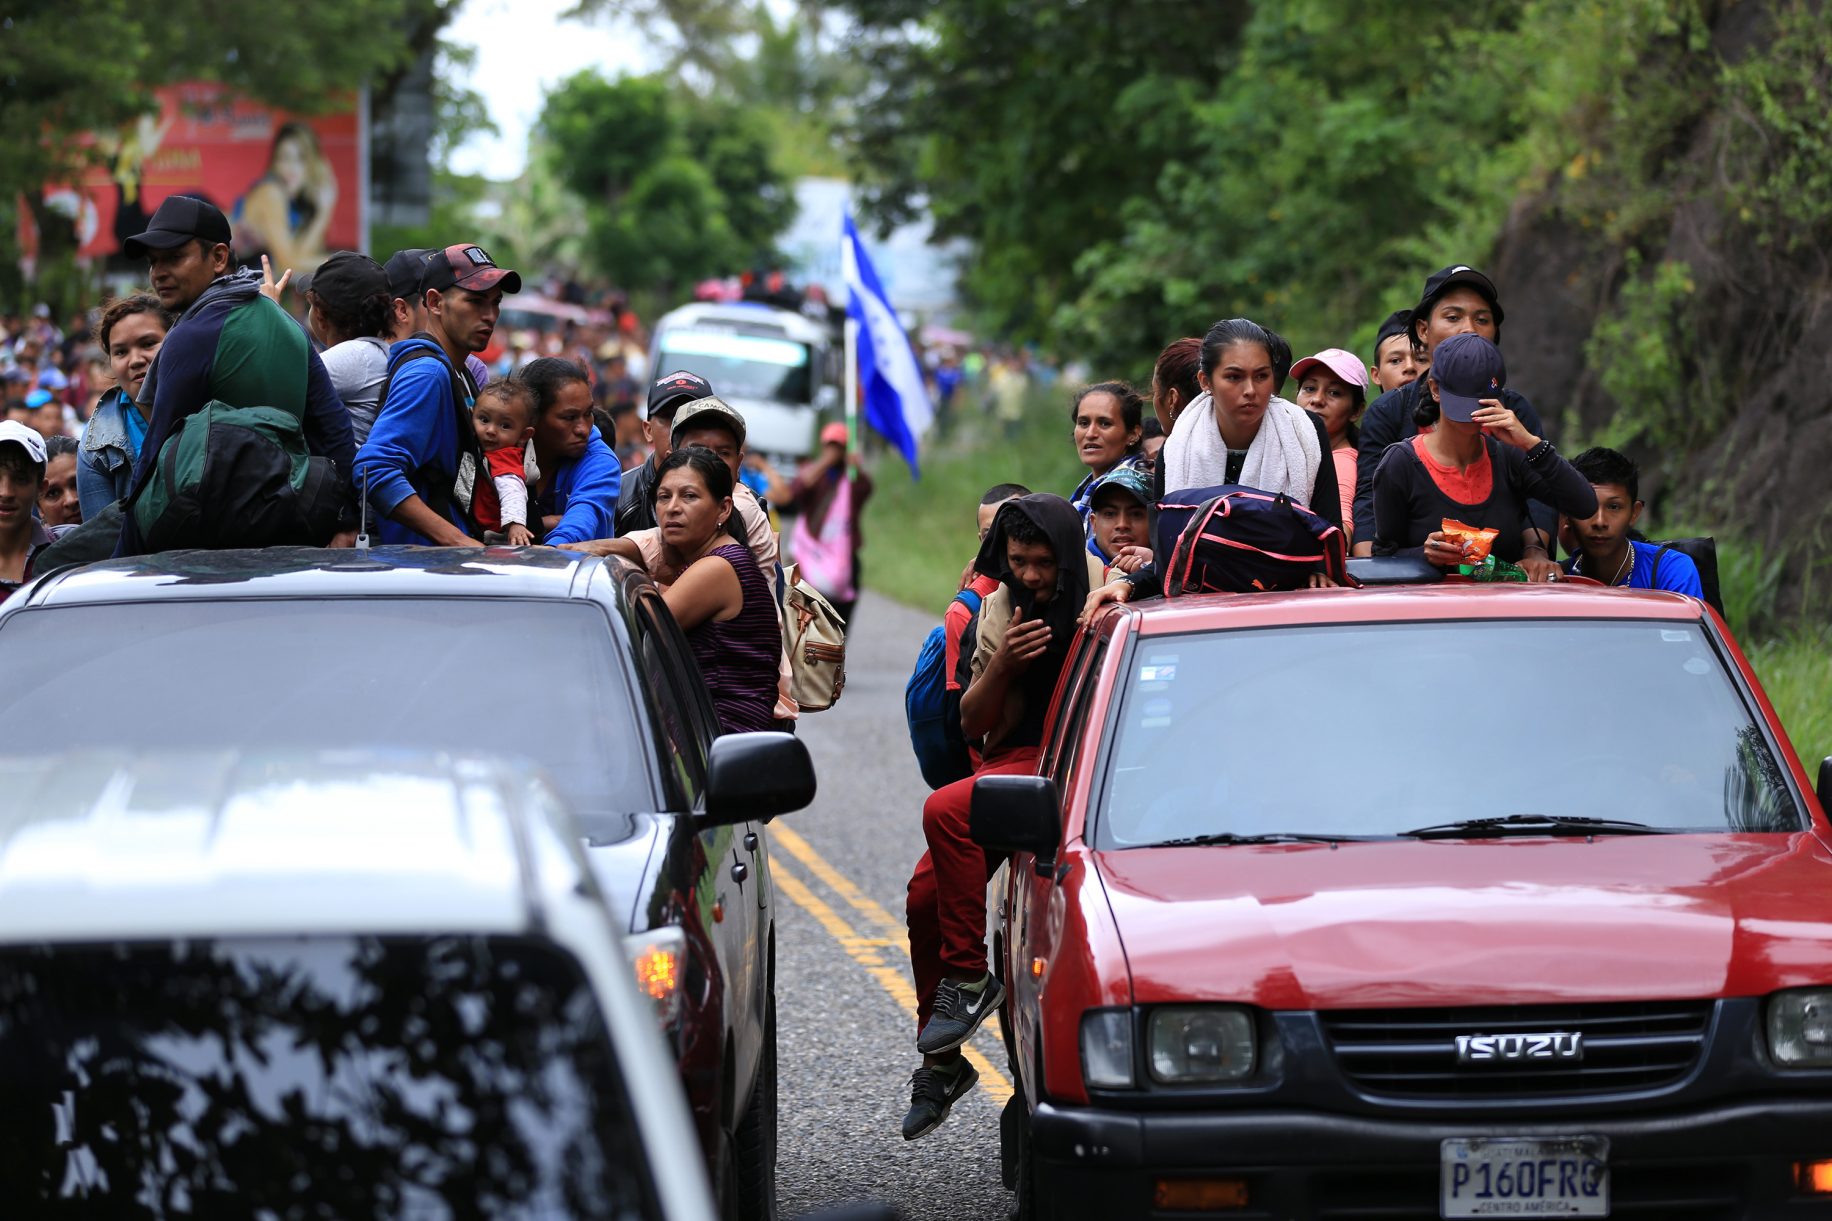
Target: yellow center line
<point>796,846</point>
<point>894,979</point>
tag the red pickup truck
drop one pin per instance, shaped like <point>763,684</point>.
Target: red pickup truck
<point>1462,901</point>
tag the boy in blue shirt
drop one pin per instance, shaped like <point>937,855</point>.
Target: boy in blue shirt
<point>1605,550</point>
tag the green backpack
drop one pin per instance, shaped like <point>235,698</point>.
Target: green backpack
<point>238,477</point>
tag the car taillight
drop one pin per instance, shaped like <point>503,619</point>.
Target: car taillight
<point>659,959</point>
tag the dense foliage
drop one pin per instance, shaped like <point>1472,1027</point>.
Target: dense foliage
<point>673,186</point>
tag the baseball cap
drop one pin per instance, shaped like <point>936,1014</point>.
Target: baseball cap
<point>180,219</point>
<point>669,392</point>
<point>1399,322</point>
<point>834,434</point>
<point>403,270</point>
<point>348,276</point>
<point>1467,368</point>
<point>1345,365</point>
<point>710,411</point>
<point>1447,278</point>
<point>37,398</point>
<point>1127,478</point>
<point>467,266</point>
<point>12,432</point>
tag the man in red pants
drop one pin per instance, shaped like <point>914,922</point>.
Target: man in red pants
<point>1037,551</point>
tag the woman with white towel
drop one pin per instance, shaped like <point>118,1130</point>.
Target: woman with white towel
<point>1239,431</point>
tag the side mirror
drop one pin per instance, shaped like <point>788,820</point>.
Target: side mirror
<point>756,775</point>
<point>827,398</point>
<point>1017,814</point>
<point>1825,785</point>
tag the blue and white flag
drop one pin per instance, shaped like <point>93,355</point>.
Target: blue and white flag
<point>897,402</point>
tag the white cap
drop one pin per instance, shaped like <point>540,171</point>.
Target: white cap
<point>19,434</point>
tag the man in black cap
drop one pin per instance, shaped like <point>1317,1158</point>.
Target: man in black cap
<point>666,396</point>
<point>410,464</point>
<point>1457,300</point>
<point>230,344</point>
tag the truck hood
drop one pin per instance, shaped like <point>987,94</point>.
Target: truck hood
<point>1400,924</point>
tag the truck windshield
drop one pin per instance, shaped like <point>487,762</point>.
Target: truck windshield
<point>1375,729</point>
<point>370,1077</point>
<point>741,366</point>
<point>522,679</point>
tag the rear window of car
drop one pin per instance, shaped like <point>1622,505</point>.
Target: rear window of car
<point>517,678</point>
<point>1371,730</point>
<point>348,1076</point>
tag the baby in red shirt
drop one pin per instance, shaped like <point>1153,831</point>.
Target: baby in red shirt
<point>503,418</point>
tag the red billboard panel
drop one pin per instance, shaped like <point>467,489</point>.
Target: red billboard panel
<point>293,186</point>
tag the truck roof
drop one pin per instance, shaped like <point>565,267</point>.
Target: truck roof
<point>106,846</point>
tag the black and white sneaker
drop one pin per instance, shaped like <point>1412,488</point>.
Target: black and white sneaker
<point>933,1093</point>
<point>959,1010</point>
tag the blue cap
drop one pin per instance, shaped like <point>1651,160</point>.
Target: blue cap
<point>37,399</point>
<point>1467,369</point>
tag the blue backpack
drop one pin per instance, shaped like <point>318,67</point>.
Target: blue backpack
<point>941,752</point>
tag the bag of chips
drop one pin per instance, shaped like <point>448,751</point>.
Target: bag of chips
<point>1479,541</point>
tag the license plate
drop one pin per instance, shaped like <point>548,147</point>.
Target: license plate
<point>1507,1176</point>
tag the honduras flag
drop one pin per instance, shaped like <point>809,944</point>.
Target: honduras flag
<point>897,403</point>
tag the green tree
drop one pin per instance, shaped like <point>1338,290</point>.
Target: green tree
<point>674,186</point>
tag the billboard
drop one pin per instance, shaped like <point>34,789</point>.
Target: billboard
<point>294,187</point>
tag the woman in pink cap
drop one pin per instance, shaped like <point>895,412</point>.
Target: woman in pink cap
<point>1333,384</point>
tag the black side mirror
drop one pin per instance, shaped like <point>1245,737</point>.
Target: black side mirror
<point>1825,785</point>
<point>1017,814</point>
<point>756,775</point>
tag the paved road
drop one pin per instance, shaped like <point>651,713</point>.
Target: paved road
<point>845,1007</point>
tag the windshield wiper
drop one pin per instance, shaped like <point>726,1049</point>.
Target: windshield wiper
<point>1530,824</point>
<point>1270,837</point>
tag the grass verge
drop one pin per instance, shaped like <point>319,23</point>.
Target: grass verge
<point>920,534</point>
<point>1796,671</point>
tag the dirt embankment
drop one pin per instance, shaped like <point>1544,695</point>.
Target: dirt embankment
<point>1719,382</point>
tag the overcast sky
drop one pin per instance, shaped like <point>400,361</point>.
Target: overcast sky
<point>523,49</point>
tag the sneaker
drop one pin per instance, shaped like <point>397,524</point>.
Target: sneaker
<point>959,1010</point>
<point>933,1093</point>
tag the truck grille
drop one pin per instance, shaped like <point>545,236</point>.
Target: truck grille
<point>1412,1053</point>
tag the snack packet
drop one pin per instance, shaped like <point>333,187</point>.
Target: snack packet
<point>1480,541</point>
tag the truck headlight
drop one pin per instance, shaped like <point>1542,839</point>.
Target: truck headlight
<point>1191,1045</point>
<point>1106,1048</point>
<point>1800,1028</point>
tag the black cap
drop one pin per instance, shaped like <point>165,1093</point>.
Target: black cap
<point>1399,322</point>
<point>1467,369</point>
<point>468,266</point>
<point>404,270</point>
<point>1448,278</point>
<point>180,219</point>
<point>669,392</point>
<point>346,278</point>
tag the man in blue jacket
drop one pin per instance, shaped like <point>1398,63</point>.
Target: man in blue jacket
<point>409,464</point>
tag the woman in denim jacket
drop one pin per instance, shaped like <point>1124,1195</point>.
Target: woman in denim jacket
<point>130,332</point>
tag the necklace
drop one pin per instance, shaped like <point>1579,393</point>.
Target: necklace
<point>1628,563</point>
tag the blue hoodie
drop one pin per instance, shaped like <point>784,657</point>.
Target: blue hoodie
<point>414,444</point>
<point>584,495</point>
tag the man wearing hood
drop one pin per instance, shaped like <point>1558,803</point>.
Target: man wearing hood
<point>1037,552</point>
<point>230,344</point>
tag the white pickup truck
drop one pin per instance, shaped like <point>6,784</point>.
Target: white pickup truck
<point>772,364</point>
